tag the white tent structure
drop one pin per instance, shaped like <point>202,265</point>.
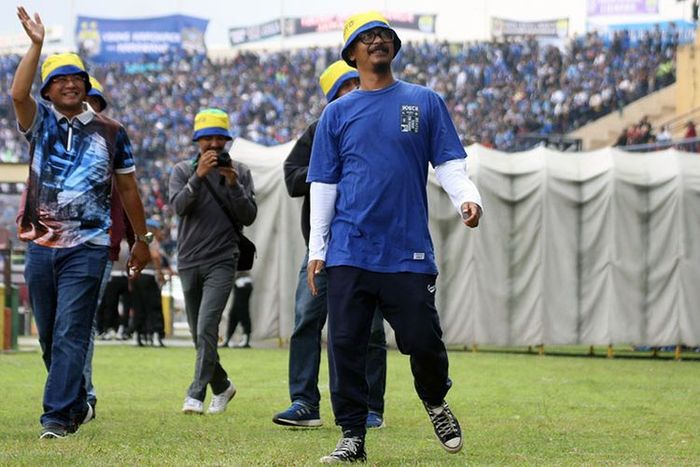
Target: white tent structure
<point>594,248</point>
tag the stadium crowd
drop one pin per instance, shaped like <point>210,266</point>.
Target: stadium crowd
<point>495,91</point>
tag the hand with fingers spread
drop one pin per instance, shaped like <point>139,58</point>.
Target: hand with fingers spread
<point>33,27</point>
<point>471,213</point>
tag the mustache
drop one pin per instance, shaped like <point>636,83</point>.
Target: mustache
<point>381,47</point>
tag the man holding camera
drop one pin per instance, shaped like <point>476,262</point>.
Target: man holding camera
<point>208,193</point>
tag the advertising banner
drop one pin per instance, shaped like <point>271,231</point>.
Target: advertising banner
<point>129,40</point>
<point>551,28</point>
<point>681,31</point>
<point>255,33</point>
<point>622,7</point>
<point>319,24</point>
<point>310,24</point>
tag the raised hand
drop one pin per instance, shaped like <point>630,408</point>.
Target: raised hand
<point>33,27</point>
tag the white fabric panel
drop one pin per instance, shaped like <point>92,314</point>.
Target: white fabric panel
<point>561,254</point>
<point>689,268</point>
<point>590,248</point>
<point>277,235</point>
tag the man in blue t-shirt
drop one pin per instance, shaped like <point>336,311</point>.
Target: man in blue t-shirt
<point>369,228</point>
<point>310,311</point>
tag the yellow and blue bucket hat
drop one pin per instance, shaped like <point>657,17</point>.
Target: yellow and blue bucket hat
<point>96,90</point>
<point>211,122</point>
<point>333,78</point>
<point>60,65</point>
<point>359,23</point>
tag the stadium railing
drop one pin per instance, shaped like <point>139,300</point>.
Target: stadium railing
<point>685,144</point>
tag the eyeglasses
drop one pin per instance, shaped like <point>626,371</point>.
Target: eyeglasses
<point>65,79</point>
<point>367,37</point>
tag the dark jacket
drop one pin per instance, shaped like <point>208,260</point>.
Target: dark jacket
<point>296,166</point>
<point>205,235</point>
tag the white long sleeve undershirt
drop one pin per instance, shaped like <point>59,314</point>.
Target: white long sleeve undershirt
<point>454,179</point>
<point>452,176</point>
<point>323,197</point>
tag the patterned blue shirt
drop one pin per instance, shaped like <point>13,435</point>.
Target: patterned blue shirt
<point>72,161</point>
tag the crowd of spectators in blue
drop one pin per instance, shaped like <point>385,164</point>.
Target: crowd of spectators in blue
<point>495,92</point>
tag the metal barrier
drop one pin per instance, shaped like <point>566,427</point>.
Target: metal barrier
<point>686,144</point>
<point>9,304</point>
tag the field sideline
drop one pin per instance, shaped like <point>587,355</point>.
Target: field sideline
<point>515,409</point>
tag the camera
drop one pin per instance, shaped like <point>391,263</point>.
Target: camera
<point>223,160</point>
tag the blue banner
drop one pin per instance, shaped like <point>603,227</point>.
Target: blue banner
<point>680,32</point>
<point>103,40</point>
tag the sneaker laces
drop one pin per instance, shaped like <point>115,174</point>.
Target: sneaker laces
<point>443,421</point>
<point>218,400</point>
<point>347,447</point>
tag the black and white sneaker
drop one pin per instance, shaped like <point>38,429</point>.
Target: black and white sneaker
<point>93,404</point>
<point>446,427</point>
<point>349,449</point>
<point>86,417</point>
<point>53,431</point>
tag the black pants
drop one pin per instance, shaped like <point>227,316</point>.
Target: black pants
<point>407,301</point>
<point>148,307</point>
<point>240,310</point>
<point>108,310</point>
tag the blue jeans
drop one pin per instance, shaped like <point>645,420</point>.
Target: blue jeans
<point>63,286</point>
<point>305,347</point>
<point>87,371</point>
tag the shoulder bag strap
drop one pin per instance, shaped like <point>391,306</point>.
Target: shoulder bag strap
<point>223,207</point>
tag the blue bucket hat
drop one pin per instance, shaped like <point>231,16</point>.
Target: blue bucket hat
<point>333,78</point>
<point>211,122</point>
<point>61,65</point>
<point>359,23</point>
<point>96,90</point>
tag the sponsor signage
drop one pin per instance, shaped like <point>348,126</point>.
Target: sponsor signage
<point>622,7</point>
<point>130,40</point>
<point>319,24</point>
<point>551,28</point>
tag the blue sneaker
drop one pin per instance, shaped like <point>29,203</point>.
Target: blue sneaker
<point>374,420</point>
<point>298,414</point>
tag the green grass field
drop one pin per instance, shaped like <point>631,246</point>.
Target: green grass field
<point>515,409</point>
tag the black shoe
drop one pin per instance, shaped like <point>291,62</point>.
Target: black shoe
<point>158,341</point>
<point>350,449</point>
<point>446,427</point>
<point>87,416</point>
<point>53,431</point>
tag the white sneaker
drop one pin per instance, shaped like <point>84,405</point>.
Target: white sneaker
<point>220,401</point>
<point>192,406</point>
